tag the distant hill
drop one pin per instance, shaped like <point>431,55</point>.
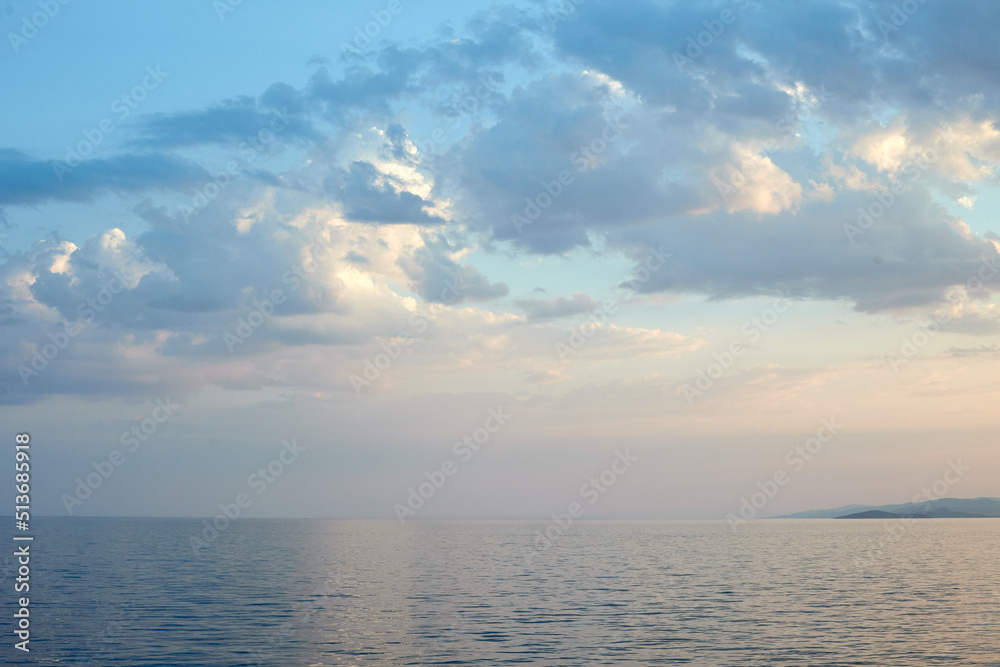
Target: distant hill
<point>942,508</point>
<point>879,514</point>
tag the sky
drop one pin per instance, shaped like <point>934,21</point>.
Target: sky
<point>415,260</point>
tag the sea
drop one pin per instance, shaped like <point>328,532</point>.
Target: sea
<point>130,591</point>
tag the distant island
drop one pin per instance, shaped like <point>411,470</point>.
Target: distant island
<point>942,508</point>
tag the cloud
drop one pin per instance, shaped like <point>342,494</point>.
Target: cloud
<point>369,195</point>
<point>591,130</point>
<point>913,256</point>
<point>438,278</point>
<point>356,258</point>
<point>233,122</point>
<point>27,181</point>
<point>982,351</point>
<point>973,320</point>
<point>621,342</point>
<point>550,309</point>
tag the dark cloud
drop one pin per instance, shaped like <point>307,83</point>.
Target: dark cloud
<point>234,122</point>
<point>286,99</point>
<point>365,199</point>
<point>982,351</point>
<point>439,279</point>
<point>356,258</point>
<point>364,87</point>
<point>550,309</point>
<point>26,181</point>
<point>808,253</point>
<point>973,324</point>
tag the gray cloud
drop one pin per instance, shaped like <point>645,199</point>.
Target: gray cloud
<point>27,181</point>
<point>644,189</point>
<point>439,279</point>
<point>972,324</point>
<point>233,122</point>
<point>912,257</point>
<point>550,309</point>
<point>366,200</point>
<point>982,351</point>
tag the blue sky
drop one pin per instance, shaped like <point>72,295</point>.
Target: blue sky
<point>695,230</point>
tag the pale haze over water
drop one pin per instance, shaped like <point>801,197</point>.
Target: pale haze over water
<point>315,592</point>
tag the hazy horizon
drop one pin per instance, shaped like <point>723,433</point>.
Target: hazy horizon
<point>490,518</point>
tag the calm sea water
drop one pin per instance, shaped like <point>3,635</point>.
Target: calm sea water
<point>271,592</point>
